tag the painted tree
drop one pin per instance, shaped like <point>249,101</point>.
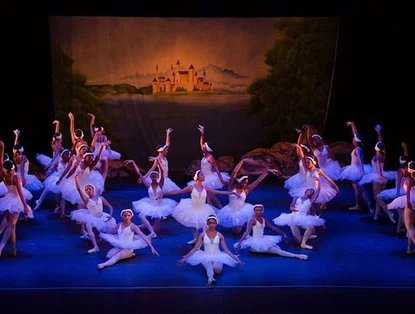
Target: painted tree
<point>295,90</point>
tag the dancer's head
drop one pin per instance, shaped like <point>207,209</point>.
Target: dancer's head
<point>18,151</point>
<point>65,154</point>
<point>8,166</point>
<point>411,168</point>
<point>79,134</point>
<point>199,176</point>
<point>317,139</point>
<point>88,157</point>
<point>154,176</point>
<point>306,149</point>
<point>309,193</point>
<point>310,162</point>
<point>212,221</point>
<point>6,157</point>
<point>357,140</point>
<point>57,136</point>
<point>258,209</point>
<point>89,190</point>
<point>81,149</point>
<point>162,149</point>
<point>127,214</point>
<point>208,147</point>
<point>380,147</point>
<point>403,161</point>
<point>99,128</point>
<point>242,182</point>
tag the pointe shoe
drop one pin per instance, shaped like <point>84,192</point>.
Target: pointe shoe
<point>84,236</point>
<point>94,250</point>
<point>306,246</point>
<point>302,257</point>
<point>100,266</point>
<point>37,205</point>
<point>211,281</point>
<point>164,218</point>
<point>354,208</point>
<point>192,241</point>
<point>152,235</point>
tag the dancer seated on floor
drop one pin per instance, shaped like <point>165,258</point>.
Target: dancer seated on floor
<point>211,257</point>
<point>260,243</point>
<point>300,216</point>
<point>128,238</point>
<point>93,216</point>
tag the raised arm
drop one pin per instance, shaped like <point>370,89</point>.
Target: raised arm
<point>16,137</point>
<point>91,124</point>
<point>308,136</point>
<point>353,126</point>
<point>168,131</point>
<point>405,149</point>
<point>378,129</point>
<point>254,184</point>
<point>107,204</point>
<point>72,127</point>
<point>79,189</point>
<point>234,174</point>
<point>57,126</point>
<point>317,192</point>
<point>1,154</point>
<point>137,170</point>
<point>201,128</point>
<point>153,167</point>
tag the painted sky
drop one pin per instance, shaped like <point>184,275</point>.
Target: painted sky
<point>108,48</point>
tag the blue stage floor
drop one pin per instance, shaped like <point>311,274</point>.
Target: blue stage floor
<point>355,253</point>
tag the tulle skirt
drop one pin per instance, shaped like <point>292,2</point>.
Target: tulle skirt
<point>297,219</point>
<point>3,189</point>
<point>212,181</point>
<point>11,202</point>
<point>352,172</point>
<point>232,215</point>
<point>190,215</point>
<point>100,223</point>
<point>43,160</point>
<point>154,209</point>
<point>390,193</point>
<point>32,182</point>
<point>375,177</point>
<point>294,181</point>
<point>331,168</point>
<point>50,183</point>
<point>168,185</point>
<point>136,244</point>
<point>201,257</point>
<point>260,244</point>
<point>107,153</point>
<point>400,202</point>
<point>327,193</point>
<point>71,194</point>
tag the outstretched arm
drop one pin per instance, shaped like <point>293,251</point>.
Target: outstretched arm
<point>308,135</point>
<point>107,204</point>
<point>57,125</point>
<point>79,189</point>
<point>215,166</point>
<point>234,174</point>
<point>187,189</point>
<point>168,131</point>
<point>405,149</point>
<point>197,246</point>
<point>274,228</point>
<point>72,127</point>
<point>201,128</point>
<point>248,230</point>
<point>142,178</point>
<point>227,251</point>
<point>91,124</point>
<point>353,126</point>
<point>16,137</point>
<point>145,238</point>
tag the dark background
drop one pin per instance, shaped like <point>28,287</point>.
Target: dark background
<point>370,84</point>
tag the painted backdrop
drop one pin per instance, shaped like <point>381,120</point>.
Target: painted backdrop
<point>249,81</point>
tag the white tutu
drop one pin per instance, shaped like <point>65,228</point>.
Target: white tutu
<point>231,216</point>
<point>352,172</point>
<point>332,169</point>
<point>390,193</point>
<point>201,257</point>
<point>11,201</point>
<point>327,193</point>
<point>294,181</point>
<point>107,152</point>
<point>50,183</point>
<point>212,181</point>
<point>190,215</point>
<point>260,244</point>
<point>43,159</point>
<point>3,189</point>
<point>32,182</point>
<point>375,177</point>
<point>100,223</point>
<point>71,194</point>
<point>158,209</point>
<point>113,239</point>
<point>298,219</point>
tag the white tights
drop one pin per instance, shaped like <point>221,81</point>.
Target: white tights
<point>114,255</point>
<point>212,269</point>
<point>278,251</point>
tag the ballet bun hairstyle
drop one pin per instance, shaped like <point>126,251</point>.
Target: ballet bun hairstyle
<point>99,128</point>
<point>18,149</point>
<point>8,165</point>
<point>380,147</point>
<point>6,157</point>
<point>57,136</point>
<point>209,147</point>
<point>79,133</point>
<point>161,147</point>
<point>403,160</point>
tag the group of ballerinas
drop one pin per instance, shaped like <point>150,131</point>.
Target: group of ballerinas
<point>78,175</point>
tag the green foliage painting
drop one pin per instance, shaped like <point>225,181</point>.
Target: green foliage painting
<point>295,90</point>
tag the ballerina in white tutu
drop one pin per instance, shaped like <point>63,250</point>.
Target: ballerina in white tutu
<point>192,212</point>
<point>47,162</point>
<point>409,212</point>
<point>29,181</point>
<point>161,163</point>
<point>378,177</point>
<point>108,153</point>
<point>237,212</point>
<point>211,257</point>
<point>127,239</point>
<point>392,193</point>
<point>153,206</point>
<point>50,182</point>
<point>356,170</point>
<point>260,243</point>
<point>322,152</point>
<point>214,179</point>
<point>12,203</point>
<point>300,216</point>
<point>77,135</point>
<point>93,216</point>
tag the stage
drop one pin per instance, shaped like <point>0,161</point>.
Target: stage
<point>356,263</point>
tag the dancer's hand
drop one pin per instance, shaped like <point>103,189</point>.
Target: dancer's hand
<point>238,248</point>
<point>201,128</point>
<point>152,158</point>
<point>159,197</point>
<point>181,261</point>
<point>169,130</point>
<point>153,250</point>
<point>298,131</point>
<point>129,161</point>
<point>55,122</point>
<point>274,171</point>
<point>91,115</point>
<point>349,123</point>
<point>248,160</point>
<point>109,218</point>
<point>378,128</point>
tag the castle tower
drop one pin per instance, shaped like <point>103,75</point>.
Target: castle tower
<point>154,84</point>
<point>157,71</point>
<point>168,85</point>
<point>173,77</point>
<point>204,74</point>
<point>178,65</point>
<point>191,75</point>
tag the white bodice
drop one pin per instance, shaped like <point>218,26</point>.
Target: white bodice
<point>25,169</point>
<point>206,166</point>
<point>412,192</point>
<point>311,177</point>
<point>235,201</point>
<point>258,229</point>
<point>198,198</point>
<point>125,234</point>
<point>211,246</point>
<point>303,206</point>
<point>356,161</point>
<point>321,155</point>
<point>153,194</point>
<point>164,163</point>
<point>95,207</point>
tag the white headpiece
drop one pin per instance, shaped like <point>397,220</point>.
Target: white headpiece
<point>20,150</point>
<point>154,172</point>
<point>196,175</point>
<point>356,138</point>
<point>87,154</point>
<point>58,136</point>
<point>127,210</point>
<point>411,170</point>
<point>80,147</point>
<point>93,187</point>
<point>402,160</point>
<point>306,148</point>
<point>377,147</point>
<point>163,148</point>
<point>318,136</point>
<point>314,162</point>
<point>242,178</point>
<point>212,217</point>
<point>208,148</point>
<point>259,205</point>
